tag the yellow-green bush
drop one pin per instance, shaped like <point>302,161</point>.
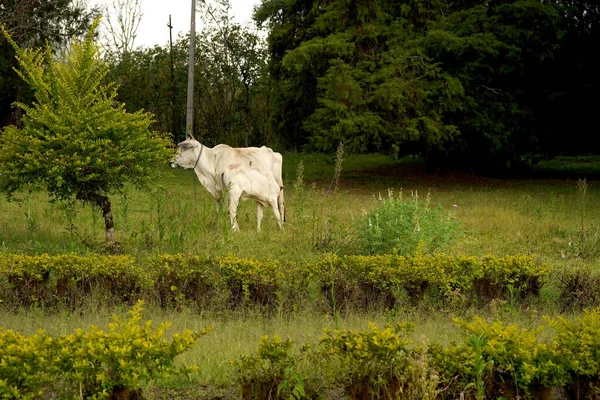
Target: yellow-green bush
<point>183,280</point>
<point>25,365</point>
<point>577,347</point>
<point>505,360</point>
<point>204,283</point>
<point>270,373</point>
<point>519,273</point>
<point>368,364</point>
<point>68,280</point>
<point>93,363</point>
<point>362,279</point>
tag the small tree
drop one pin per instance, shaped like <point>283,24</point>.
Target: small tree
<point>77,142</point>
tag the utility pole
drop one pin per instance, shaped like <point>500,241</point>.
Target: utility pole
<point>174,129</point>
<point>189,125</point>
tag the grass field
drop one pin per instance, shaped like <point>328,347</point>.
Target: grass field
<point>555,219</point>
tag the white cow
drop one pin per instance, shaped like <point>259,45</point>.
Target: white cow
<point>209,163</point>
<point>247,182</point>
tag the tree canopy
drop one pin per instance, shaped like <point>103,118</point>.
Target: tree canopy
<point>469,83</point>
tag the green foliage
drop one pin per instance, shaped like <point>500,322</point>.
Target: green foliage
<point>33,24</point>
<point>495,51</point>
<point>377,363</point>
<point>507,360</point>
<point>520,274</point>
<point>368,364</point>
<point>477,342</point>
<point>92,364</point>
<point>491,360</point>
<point>75,142</point>
<point>577,347</point>
<point>123,358</point>
<point>463,83</point>
<point>270,373</point>
<point>407,226</point>
<point>24,369</point>
<point>231,72</point>
<point>68,281</point>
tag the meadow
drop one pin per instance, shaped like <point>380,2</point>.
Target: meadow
<point>555,219</point>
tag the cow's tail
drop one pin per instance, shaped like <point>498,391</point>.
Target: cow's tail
<point>281,203</point>
<point>222,182</point>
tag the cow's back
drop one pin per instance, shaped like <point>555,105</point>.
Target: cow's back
<point>262,158</point>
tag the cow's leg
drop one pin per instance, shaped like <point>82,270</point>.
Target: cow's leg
<point>281,204</point>
<point>277,214</point>
<point>259,215</point>
<point>234,199</point>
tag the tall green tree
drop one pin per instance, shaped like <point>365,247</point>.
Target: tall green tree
<point>77,142</point>
<point>498,53</point>
<point>294,96</point>
<point>359,76</point>
<point>472,83</point>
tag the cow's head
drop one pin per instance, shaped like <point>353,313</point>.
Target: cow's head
<point>187,154</point>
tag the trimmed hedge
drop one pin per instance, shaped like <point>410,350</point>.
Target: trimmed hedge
<point>204,283</point>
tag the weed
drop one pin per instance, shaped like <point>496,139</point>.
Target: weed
<point>402,226</point>
<point>478,342</point>
<point>300,195</point>
<point>31,217</point>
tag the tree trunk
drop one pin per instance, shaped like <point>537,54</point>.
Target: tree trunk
<point>103,203</point>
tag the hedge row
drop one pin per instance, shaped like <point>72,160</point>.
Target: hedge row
<point>228,282</point>
<point>90,364</point>
<point>494,361</point>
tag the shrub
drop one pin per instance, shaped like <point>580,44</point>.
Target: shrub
<point>370,364</point>
<point>404,226</point>
<point>505,360</point>
<point>519,274</point>
<point>203,283</point>
<point>25,365</point>
<point>116,363</point>
<point>579,287</point>
<point>577,349</point>
<point>92,364</point>
<point>67,280</point>
<point>271,372</point>
<point>183,280</point>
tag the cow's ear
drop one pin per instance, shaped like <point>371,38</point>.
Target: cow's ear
<point>189,136</point>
